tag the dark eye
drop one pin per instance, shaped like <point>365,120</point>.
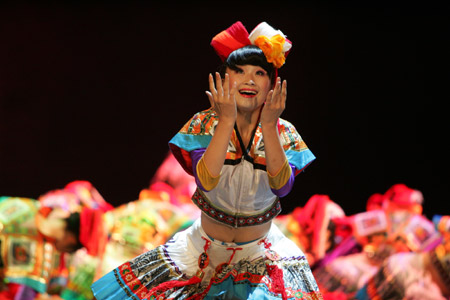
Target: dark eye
<point>261,73</point>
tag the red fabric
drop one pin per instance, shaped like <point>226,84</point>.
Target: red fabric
<point>276,274</point>
<point>375,201</point>
<point>183,157</point>
<point>161,288</point>
<point>335,296</point>
<point>232,38</point>
<point>266,243</point>
<point>88,195</point>
<point>45,211</point>
<point>232,255</point>
<point>93,235</point>
<point>312,219</point>
<point>238,31</point>
<point>287,52</point>
<point>164,187</point>
<point>10,292</point>
<point>344,227</point>
<point>401,194</point>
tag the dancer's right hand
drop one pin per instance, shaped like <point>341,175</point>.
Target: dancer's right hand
<point>221,97</point>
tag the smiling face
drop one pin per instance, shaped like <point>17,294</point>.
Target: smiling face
<point>252,84</point>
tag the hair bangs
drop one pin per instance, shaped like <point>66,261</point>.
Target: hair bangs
<point>249,55</point>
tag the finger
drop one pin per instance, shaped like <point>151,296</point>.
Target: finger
<point>226,85</point>
<point>210,98</point>
<point>284,90</point>
<point>277,91</point>
<point>277,87</point>
<point>269,96</point>
<point>283,95</point>
<point>212,87</point>
<point>219,83</point>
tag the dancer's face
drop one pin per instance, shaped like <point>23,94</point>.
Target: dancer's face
<point>252,84</point>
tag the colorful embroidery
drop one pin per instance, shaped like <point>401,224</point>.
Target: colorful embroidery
<point>197,133</point>
<point>246,278</point>
<point>201,201</point>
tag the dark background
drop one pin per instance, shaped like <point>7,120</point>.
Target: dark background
<point>95,92</point>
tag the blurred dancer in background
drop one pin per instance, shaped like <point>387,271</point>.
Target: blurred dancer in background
<point>36,235</point>
<point>163,208</point>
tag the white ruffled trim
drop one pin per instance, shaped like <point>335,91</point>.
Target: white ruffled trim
<point>265,29</point>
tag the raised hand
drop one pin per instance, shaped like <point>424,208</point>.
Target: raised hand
<point>221,97</point>
<point>275,103</point>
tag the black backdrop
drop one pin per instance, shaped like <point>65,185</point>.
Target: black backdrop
<point>95,91</point>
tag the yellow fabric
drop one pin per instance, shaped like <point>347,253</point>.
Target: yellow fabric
<point>278,180</point>
<point>272,49</point>
<point>206,179</point>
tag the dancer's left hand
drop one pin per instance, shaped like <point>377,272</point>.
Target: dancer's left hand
<point>275,103</point>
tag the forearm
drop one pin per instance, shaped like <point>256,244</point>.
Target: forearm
<point>215,154</point>
<point>275,156</point>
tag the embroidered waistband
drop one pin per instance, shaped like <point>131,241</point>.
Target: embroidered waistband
<point>235,220</point>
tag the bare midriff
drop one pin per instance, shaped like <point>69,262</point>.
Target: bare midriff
<point>224,233</point>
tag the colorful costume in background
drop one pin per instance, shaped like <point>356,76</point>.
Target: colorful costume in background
<point>30,262</point>
<point>312,227</point>
<point>192,265</point>
<point>402,276</point>
<point>390,231</point>
<point>133,228</point>
<point>423,275</point>
<point>173,185</point>
<point>347,273</point>
<point>28,259</point>
<point>139,226</point>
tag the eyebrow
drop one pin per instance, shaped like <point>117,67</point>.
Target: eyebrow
<point>238,67</point>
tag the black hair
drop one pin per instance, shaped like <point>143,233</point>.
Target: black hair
<point>73,226</point>
<point>248,55</point>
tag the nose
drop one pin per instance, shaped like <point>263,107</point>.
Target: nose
<point>250,80</point>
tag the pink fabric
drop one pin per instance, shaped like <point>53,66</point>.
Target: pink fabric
<point>314,217</point>
<point>93,235</point>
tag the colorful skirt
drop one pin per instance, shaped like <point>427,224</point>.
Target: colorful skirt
<point>194,266</point>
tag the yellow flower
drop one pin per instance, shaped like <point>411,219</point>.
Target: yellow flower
<point>272,49</point>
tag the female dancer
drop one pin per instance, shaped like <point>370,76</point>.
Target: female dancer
<point>244,158</point>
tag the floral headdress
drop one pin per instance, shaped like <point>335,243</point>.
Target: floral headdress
<point>272,42</point>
